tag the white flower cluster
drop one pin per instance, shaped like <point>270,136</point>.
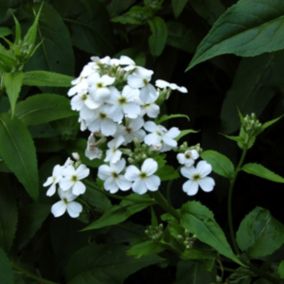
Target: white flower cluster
<point>118,104</point>
<point>197,175</point>
<point>66,181</point>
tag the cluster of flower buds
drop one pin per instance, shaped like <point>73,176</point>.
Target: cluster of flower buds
<point>66,182</point>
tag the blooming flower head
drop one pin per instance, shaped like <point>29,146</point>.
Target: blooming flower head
<point>144,179</point>
<point>188,157</point>
<point>198,177</point>
<point>53,180</point>
<point>113,154</point>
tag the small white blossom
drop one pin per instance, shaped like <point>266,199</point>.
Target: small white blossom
<point>53,180</point>
<point>162,84</point>
<point>113,154</point>
<point>139,78</point>
<point>66,203</point>
<point>198,176</point>
<point>72,179</point>
<point>160,138</point>
<point>188,157</point>
<point>144,179</point>
<point>113,178</point>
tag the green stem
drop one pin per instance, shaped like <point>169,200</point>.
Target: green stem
<point>163,202</point>
<point>30,275</point>
<point>230,199</point>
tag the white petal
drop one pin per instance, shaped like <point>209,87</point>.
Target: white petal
<point>153,110</point>
<point>123,183</point>
<point>82,171</point>
<point>204,168</point>
<point>104,172</point>
<point>153,183</point>
<point>108,128</point>
<point>132,173</point>
<point>110,185</point>
<point>119,166</point>
<point>149,166</point>
<point>153,139</point>
<point>161,84</point>
<point>173,132</point>
<point>48,182</point>
<point>190,187</point>
<point>139,187</point>
<point>169,141</point>
<point>132,110</point>
<point>58,208</point>
<point>207,184</point>
<point>150,126</point>
<point>66,183</point>
<point>181,158</point>
<point>51,191</point>
<point>78,188</point>
<point>74,209</point>
<point>135,82</point>
<point>188,172</point>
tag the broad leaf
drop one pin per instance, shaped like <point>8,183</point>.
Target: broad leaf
<point>13,84</point>
<point>120,213</point>
<point>43,108</point>
<point>262,172</point>
<point>158,38</point>
<point>260,234</point>
<point>145,248</point>
<point>238,32</point>
<point>100,264</point>
<point>199,220</point>
<point>18,151</point>
<point>46,79</point>
<point>220,163</point>
<point>6,272</point>
<point>178,6</point>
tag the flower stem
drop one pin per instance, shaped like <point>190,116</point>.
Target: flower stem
<point>30,275</point>
<point>163,202</point>
<point>230,199</point>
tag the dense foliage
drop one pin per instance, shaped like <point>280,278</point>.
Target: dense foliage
<point>229,55</point>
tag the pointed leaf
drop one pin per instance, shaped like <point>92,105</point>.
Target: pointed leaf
<point>18,151</point>
<point>178,6</point>
<point>46,79</point>
<point>13,84</point>
<point>199,220</point>
<point>43,108</point>
<point>262,172</point>
<point>248,28</point>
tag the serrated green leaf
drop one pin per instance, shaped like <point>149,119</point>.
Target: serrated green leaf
<point>18,151</point>
<point>262,172</point>
<point>178,6</point>
<point>6,272</point>
<point>199,220</point>
<point>260,234</point>
<point>43,108</point>
<point>13,84</point>
<point>237,32</point>
<point>221,164</point>
<point>120,213</point>
<point>159,34</point>
<point>46,79</point>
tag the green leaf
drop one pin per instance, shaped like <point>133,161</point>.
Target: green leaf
<point>4,31</point>
<point>167,173</point>
<point>13,84</point>
<point>166,117</point>
<point>262,172</point>
<point>18,151</point>
<point>271,122</point>
<point>104,264</point>
<point>46,79</point>
<point>260,234</point>
<point>185,132</point>
<point>159,34</point>
<point>199,220</point>
<point>280,269</point>
<point>145,248</point>
<point>221,164</point>
<point>8,216</point>
<point>55,52</point>
<point>6,272</point>
<point>238,32</point>
<point>120,213</point>
<point>193,273</point>
<point>7,59</point>
<point>178,6</point>
<point>43,108</point>
<point>249,91</point>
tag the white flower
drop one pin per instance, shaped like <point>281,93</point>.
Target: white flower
<point>139,78</point>
<point>160,138</point>
<point>197,176</point>
<point>113,154</point>
<point>162,84</point>
<point>125,103</point>
<point>188,157</point>
<point>66,203</point>
<point>72,179</point>
<point>113,177</point>
<point>53,180</point>
<point>144,179</point>
<point>93,151</point>
<point>148,102</point>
